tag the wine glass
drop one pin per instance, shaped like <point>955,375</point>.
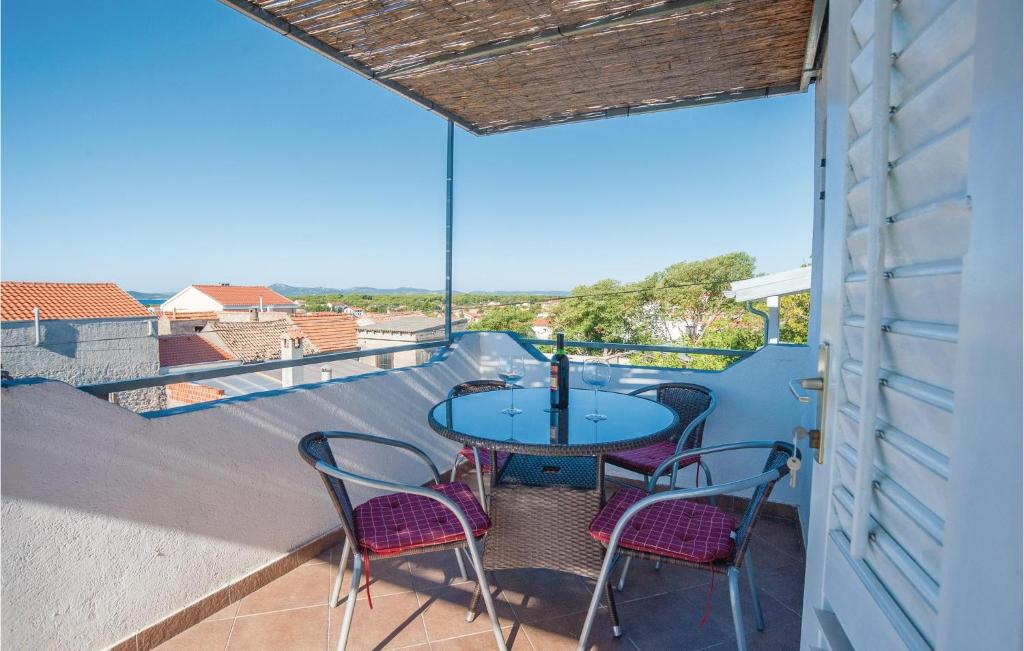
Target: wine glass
<point>512,370</point>
<point>597,374</point>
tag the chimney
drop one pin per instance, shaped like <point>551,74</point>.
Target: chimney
<point>291,348</point>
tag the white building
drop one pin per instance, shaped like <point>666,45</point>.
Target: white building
<point>228,298</point>
<point>409,330</point>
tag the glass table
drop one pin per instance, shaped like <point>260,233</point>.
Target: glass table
<point>545,496</point>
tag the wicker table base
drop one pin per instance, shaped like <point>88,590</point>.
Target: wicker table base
<point>543,527</point>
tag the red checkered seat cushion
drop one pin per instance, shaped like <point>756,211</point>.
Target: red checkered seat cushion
<point>394,523</point>
<point>677,528</point>
<point>485,458</point>
<point>646,460</point>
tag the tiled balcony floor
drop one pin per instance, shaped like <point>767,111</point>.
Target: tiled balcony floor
<point>419,603</point>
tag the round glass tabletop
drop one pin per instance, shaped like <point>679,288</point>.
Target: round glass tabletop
<point>482,420</point>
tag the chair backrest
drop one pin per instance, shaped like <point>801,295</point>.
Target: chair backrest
<point>777,458</point>
<point>476,386</point>
<point>313,448</point>
<point>689,401</point>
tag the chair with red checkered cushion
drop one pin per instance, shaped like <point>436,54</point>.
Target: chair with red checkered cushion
<point>409,519</point>
<point>669,526</point>
<point>693,404</point>
<point>478,458</point>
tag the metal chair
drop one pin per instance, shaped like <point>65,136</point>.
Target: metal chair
<point>693,403</point>
<point>713,539</point>
<point>408,520</point>
<point>480,458</point>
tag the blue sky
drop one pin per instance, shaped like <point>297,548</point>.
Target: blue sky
<point>157,144</point>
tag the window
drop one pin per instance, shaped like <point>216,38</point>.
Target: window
<point>386,360</point>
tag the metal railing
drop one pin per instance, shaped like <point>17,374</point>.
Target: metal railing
<point>104,389</point>
<point>647,348</point>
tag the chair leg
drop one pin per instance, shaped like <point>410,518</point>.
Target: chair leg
<point>342,564</point>
<point>350,605</point>
<point>485,499</point>
<point>737,611</point>
<point>613,612</point>
<point>462,565</point>
<point>595,601</point>
<point>455,467</point>
<point>758,614</point>
<point>622,576</point>
<point>485,591</point>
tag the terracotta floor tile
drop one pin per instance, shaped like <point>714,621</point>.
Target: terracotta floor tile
<point>387,576</point>
<point>393,622</point>
<point>444,611</point>
<point>482,641</point>
<point>542,594</point>
<point>562,634</point>
<point>782,626</point>
<point>667,621</point>
<point>307,585</point>
<point>301,629</point>
<point>204,635</point>
<point>436,569</point>
<point>644,581</point>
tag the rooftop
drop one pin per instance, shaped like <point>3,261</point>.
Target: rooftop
<point>410,324</point>
<point>66,301</point>
<point>178,350</point>
<point>254,341</point>
<point>503,65</point>
<point>327,331</point>
<point>243,295</point>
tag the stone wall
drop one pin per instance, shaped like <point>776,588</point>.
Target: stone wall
<point>87,351</point>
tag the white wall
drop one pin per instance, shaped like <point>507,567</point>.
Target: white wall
<point>190,299</point>
<point>112,521</point>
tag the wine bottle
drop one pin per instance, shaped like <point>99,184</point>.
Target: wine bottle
<point>560,375</point>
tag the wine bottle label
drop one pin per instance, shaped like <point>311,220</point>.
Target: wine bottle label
<point>554,377</point>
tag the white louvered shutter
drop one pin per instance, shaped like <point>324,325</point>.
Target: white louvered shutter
<point>906,417</point>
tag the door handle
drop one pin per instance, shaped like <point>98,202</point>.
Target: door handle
<point>798,386</point>
<point>808,383</point>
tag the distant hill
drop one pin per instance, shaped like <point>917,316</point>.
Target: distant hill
<point>292,291</point>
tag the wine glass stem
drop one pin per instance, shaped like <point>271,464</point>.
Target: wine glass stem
<point>596,410</point>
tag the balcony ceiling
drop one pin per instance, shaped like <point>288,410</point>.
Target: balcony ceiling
<point>500,65</point>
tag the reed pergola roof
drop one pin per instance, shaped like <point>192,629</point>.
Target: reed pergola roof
<point>499,65</point>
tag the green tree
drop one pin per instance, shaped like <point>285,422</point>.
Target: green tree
<point>794,314</point>
<point>692,293</point>
<point>605,311</point>
<point>506,318</point>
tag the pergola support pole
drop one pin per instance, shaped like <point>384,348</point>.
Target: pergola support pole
<point>448,233</point>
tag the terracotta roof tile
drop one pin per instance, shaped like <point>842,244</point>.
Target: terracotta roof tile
<point>176,350</point>
<point>256,341</point>
<point>243,295</point>
<point>328,331</point>
<point>66,301</point>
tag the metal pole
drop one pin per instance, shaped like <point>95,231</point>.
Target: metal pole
<point>448,234</point>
